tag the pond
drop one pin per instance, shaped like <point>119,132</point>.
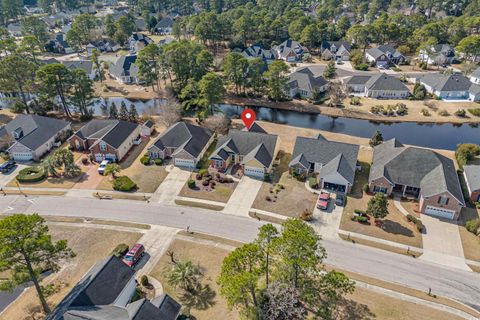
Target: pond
<point>437,136</point>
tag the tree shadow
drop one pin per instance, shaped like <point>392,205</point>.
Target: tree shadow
<point>395,228</point>
<point>352,310</point>
<point>201,299</point>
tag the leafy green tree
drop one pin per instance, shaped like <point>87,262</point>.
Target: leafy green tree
<point>33,26</point>
<point>113,111</point>
<point>27,250</point>
<point>266,236</point>
<point>11,9</point>
<point>470,47</point>
<point>54,80</point>
<point>82,31</point>
<point>125,25</point>
<point>376,139</point>
<point>419,91</point>
<point>276,76</point>
<point>466,152</point>
<point>281,301</point>
<point>82,94</point>
<point>132,113</point>
<point>360,35</point>
<point>235,69</point>
<point>123,115</point>
<point>97,64</point>
<point>255,75</point>
<point>378,205</point>
<point>110,27</point>
<point>113,169</point>
<point>330,70</point>
<point>211,89</point>
<point>184,275</point>
<point>148,65</point>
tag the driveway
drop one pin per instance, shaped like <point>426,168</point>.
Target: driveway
<point>6,177</point>
<point>442,243</point>
<point>171,186</point>
<point>242,198</point>
<point>327,222</point>
<point>91,178</point>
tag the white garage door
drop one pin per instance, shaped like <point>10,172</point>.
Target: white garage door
<point>18,156</point>
<point>99,157</point>
<point>439,212</point>
<point>254,172</point>
<point>186,163</point>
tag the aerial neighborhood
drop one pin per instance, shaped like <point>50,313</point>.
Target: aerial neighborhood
<point>257,160</point>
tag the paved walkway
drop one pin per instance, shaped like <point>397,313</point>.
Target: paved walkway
<point>171,186</point>
<point>243,197</point>
<point>442,243</point>
<point>378,240</point>
<point>398,204</point>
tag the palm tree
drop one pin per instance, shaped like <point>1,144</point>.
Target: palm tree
<point>112,168</point>
<point>49,166</point>
<point>186,275</point>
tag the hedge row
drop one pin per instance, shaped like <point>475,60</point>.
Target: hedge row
<point>31,174</point>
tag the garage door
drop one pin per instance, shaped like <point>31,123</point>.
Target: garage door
<point>22,156</point>
<point>186,163</point>
<point>254,172</point>
<point>99,157</point>
<point>439,212</point>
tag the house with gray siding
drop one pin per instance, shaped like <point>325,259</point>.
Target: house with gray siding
<point>305,84</point>
<point>380,86</point>
<point>450,86</point>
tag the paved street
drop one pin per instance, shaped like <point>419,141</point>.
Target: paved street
<point>242,198</point>
<point>453,283</point>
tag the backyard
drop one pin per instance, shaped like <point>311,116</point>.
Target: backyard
<point>210,261</point>
<point>90,246</point>
<point>284,194</point>
<point>221,192</point>
<point>394,227</point>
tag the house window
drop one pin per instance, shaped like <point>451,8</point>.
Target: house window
<point>103,146</point>
<point>380,189</point>
<point>443,200</point>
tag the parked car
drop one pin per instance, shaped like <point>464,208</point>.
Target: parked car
<point>340,200</point>
<point>339,61</point>
<point>7,166</point>
<point>134,255</point>
<point>103,165</point>
<point>323,200</point>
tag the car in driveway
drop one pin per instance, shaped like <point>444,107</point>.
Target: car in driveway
<point>134,255</point>
<point>323,200</point>
<point>102,166</point>
<point>340,200</point>
<point>7,166</point>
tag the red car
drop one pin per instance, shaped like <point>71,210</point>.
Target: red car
<point>322,202</point>
<point>134,255</point>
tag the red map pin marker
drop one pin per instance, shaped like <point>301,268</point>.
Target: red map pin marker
<point>248,117</point>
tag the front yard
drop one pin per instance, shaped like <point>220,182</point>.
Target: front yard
<point>49,182</point>
<point>90,245</point>
<point>209,258</point>
<point>284,195</point>
<point>220,192</point>
<point>394,227</point>
<point>470,242</point>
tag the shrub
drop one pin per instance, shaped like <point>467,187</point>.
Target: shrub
<point>425,112</point>
<point>461,113</point>
<point>120,250</point>
<point>144,280</point>
<point>475,111</point>
<point>473,225</point>
<point>86,117</point>
<point>418,223</point>
<point>355,101</point>
<point>431,105</point>
<point>31,174</point>
<point>443,113</point>
<point>312,182</point>
<point>268,198</point>
<point>360,212</point>
<point>205,183</point>
<point>267,177</point>
<point>198,177</point>
<point>377,109</point>
<point>158,161</point>
<point>366,188</point>
<point>145,160</point>
<point>306,215</point>
<point>466,152</point>
<point>123,183</point>
<point>362,219</point>
<point>361,67</point>
<point>202,172</point>
<point>191,183</point>
<point>401,109</point>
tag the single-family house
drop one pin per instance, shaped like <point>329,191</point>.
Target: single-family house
<point>164,26</point>
<point>31,136</point>
<point>475,76</point>
<point>125,70</point>
<point>255,127</point>
<point>438,54</point>
<point>85,65</point>
<point>422,174</point>
<point>183,142</point>
<point>379,86</point>
<point>106,139</point>
<point>138,41</point>
<point>305,84</point>
<point>140,24</point>
<point>59,44</point>
<point>335,50</point>
<point>332,163</point>
<point>384,55</point>
<point>450,86</point>
<point>471,173</point>
<point>14,29</point>
<point>106,292</point>
<point>290,51</point>
<point>258,51</point>
<point>253,152</point>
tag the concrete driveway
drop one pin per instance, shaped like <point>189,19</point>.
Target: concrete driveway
<point>91,178</point>
<point>6,177</point>
<point>171,186</point>
<point>442,243</point>
<point>327,222</point>
<point>243,197</point>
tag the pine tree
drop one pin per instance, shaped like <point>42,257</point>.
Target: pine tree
<point>376,139</point>
<point>113,112</point>
<point>123,112</point>
<point>132,113</point>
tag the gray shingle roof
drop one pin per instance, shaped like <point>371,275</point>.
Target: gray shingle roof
<point>304,79</point>
<point>85,65</point>
<point>445,82</point>
<point>357,80</point>
<point>383,81</point>
<point>121,131</point>
<point>36,130</point>
<point>334,156</point>
<point>476,73</point>
<point>383,49</point>
<point>184,136</point>
<point>250,145</point>
<point>112,132</point>
<point>124,66</point>
<point>95,129</point>
<point>255,127</point>
<point>415,167</point>
<point>472,176</point>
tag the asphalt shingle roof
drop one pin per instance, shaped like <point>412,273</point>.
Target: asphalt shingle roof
<point>334,156</point>
<point>383,81</point>
<point>472,175</point>
<point>121,131</point>
<point>304,79</point>
<point>85,65</point>
<point>36,129</point>
<point>124,67</point>
<point>415,167</point>
<point>446,82</point>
